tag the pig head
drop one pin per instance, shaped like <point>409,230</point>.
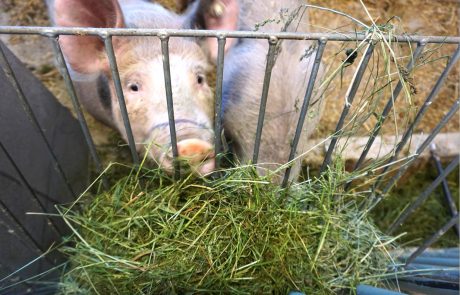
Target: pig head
<point>244,69</point>
<point>140,66</point>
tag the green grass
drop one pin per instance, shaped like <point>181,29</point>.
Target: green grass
<point>239,234</point>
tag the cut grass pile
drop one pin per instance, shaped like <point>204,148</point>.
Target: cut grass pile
<point>239,234</point>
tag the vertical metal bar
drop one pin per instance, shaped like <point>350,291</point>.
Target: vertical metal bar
<point>306,103</point>
<point>169,101</point>
<point>349,99</point>
<point>272,42</point>
<point>423,196</point>
<point>453,221</point>
<point>445,186</point>
<point>76,104</point>
<point>424,145</point>
<point>388,107</point>
<point>28,110</point>
<point>434,92</point>
<point>121,99</point>
<point>24,181</point>
<point>218,100</point>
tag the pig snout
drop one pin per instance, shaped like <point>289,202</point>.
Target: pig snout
<point>195,149</point>
<point>198,153</point>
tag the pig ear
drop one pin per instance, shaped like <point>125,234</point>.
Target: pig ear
<point>215,15</point>
<point>85,54</point>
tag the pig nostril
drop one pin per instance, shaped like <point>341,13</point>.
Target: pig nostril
<point>195,150</point>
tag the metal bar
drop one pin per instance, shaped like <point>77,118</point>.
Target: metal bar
<point>387,108</point>
<point>439,261</point>
<point>218,100</point>
<point>272,45</point>
<point>30,114</point>
<point>349,99</point>
<point>423,196</point>
<point>423,146</point>
<point>76,104</point>
<point>454,220</point>
<point>434,92</point>
<point>369,290</point>
<point>102,32</point>
<point>121,99</point>
<point>445,186</point>
<point>24,181</point>
<point>306,103</point>
<point>170,104</point>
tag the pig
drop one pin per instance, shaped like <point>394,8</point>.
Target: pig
<point>140,66</point>
<point>244,70</point>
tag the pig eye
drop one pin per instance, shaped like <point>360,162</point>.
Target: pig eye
<point>134,87</point>
<point>200,79</point>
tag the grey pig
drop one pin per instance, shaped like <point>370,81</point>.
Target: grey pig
<point>244,70</point>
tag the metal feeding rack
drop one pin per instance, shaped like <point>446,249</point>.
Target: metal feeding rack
<point>444,263</point>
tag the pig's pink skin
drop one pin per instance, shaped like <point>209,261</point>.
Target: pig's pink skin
<point>140,66</point>
<point>243,78</point>
<point>140,61</point>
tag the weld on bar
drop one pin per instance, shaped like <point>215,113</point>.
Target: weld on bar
<point>218,100</point>
<point>102,32</point>
<point>388,107</point>
<point>272,45</point>
<point>434,92</point>
<point>169,102</point>
<point>306,103</point>
<point>348,101</point>
<point>76,104</point>
<point>30,114</point>
<point>121,99</point>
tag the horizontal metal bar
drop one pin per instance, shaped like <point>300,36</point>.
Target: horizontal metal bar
<point>427,286</point>
<point>11,77</point>
<point>348,101</point>
<point>445,187</point>
<point>305,105</point>
<point>76,104</point>
<point>450,262</point>
<point>423,196</point>
<point>369,290</point>
<point>218,100</point>
<point>272,45</point>
<point>170,104</point>
<point>103,32</point>
<point>121,99</point>
<point>454,220</point>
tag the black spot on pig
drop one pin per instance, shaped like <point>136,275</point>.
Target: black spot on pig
<point>104,92</point>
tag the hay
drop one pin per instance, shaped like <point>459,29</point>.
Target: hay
<point>239,234</point>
